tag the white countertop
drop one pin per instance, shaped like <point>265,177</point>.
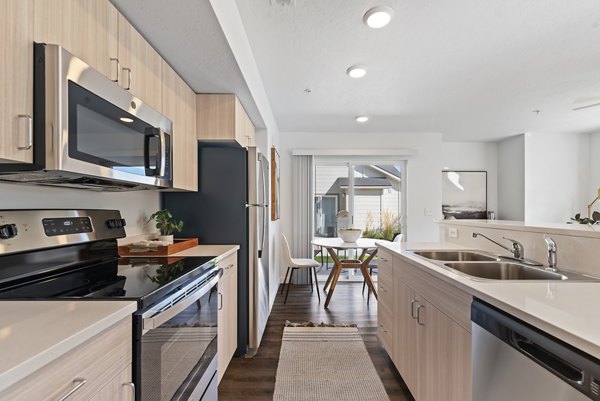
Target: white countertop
<point>34,333</point>
<point>575,229</point>
<point>221,251</point>
<point>567,310</point>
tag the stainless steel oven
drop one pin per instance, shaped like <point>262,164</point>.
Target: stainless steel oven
<point>88,132</point>
<point>175,347</point>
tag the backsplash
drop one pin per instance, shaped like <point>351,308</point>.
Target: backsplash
<point>578,250</point>
<point>135,206</point>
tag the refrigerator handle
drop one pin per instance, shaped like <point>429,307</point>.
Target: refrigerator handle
<point>264,196</point>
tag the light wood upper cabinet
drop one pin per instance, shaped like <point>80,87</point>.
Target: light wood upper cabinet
<point>227,315</point>
<point>140,64</point>
<point>85,28</point>
<point>16,80</point>
<point>179,105</point>
<point>222,118</point>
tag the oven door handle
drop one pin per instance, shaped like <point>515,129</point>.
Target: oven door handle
<point>164,315</point>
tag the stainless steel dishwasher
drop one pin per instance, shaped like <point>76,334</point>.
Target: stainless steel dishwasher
<point>515,361</point>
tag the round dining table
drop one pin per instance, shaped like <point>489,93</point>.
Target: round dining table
<point>368,250</point>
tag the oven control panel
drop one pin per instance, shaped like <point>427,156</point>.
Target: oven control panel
<point>67,225</point>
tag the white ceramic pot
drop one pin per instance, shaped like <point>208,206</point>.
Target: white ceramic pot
<point>349,235</point>
<point>166,238</point>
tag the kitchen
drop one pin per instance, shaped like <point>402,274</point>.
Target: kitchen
<point>173,60</point>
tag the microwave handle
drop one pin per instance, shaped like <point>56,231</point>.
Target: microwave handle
<point>164,157</point>
<point>152,133</point>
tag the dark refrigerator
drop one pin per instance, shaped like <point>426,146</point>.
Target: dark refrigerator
<point>231,207</point>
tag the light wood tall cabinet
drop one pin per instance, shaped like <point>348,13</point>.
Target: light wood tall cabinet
<point>85,28</point>
<point>140,65</point>
<point>227,315</point>
<point>179,104</point>
<point>16,81</point>
<point>99,369</point>
<point>430,339</point>
<point>222,118</point>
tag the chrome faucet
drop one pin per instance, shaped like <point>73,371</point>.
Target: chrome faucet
<point>517,250</point>
<point>551,254</point>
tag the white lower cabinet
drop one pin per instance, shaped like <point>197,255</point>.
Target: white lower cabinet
<point>227,315</point>
<point>430,345</point>
<point>98,370</point>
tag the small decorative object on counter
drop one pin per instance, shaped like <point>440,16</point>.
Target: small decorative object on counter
<point>342,219</point>
<point>595,219</point>
<point>350,234</point>
<point>166,224</point>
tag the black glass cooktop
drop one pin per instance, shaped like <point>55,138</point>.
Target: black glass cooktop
<point>142,279</point>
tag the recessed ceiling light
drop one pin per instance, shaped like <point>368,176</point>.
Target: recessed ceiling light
<point>362,119</point>
<point>126,119</point>
<point>378,17</point>
<point>357,71</point>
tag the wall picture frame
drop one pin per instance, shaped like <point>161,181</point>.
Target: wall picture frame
<point>275,185</point>
<point>464,194</point>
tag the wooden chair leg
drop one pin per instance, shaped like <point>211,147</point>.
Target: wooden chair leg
<point>285,279</point>
<point>337,270</point>
<point>314,269</point>
<point>289,284</point>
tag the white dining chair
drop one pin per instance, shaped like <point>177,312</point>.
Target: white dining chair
<point>297,263</point>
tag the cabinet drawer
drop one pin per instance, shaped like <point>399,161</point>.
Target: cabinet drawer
<point>385,293</point>
<point>456,304</point>
<point>384,328</point>
<point>228,264</point>
<point>98,361</point>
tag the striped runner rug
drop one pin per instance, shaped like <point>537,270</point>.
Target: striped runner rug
<point>326,363</point>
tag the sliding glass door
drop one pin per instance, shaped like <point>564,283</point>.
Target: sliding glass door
<point>364,195</point>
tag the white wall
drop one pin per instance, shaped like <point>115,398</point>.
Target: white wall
<point>475,156</point>
<point>135,206</point>
<point>594,168</point>
<point>511,178</point>
<point>557,171</point>
<point>423,176</point>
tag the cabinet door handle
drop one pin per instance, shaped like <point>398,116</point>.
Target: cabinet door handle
<point>29,132</point>
<point>131,385</point>
<point>382,328</point>
<point>382,288</point>
<point>412,308</point>
<point>79,382</point>
<point>128,78</point>
<point>419,315</point>
<point>220,301</point>
<point>117,70</point>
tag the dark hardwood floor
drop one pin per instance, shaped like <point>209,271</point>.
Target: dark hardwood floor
<point>253,379</point>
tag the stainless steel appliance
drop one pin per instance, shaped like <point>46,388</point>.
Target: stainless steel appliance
<point>88,132</point>
<point>72,254</point>
<point>231,207</point>
<point>515,361</point>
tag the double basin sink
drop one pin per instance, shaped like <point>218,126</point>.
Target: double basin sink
<point>479,265</point>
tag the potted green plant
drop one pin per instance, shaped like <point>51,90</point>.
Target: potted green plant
<point>166,225</point>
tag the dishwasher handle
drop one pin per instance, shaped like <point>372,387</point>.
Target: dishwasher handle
<point>552,362</point>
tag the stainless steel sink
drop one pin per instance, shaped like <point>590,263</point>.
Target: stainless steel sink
<point>504,271</point>
<point>455,256</point>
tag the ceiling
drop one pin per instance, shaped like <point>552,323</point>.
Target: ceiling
<point>188,35</point>
<point>471,69</point>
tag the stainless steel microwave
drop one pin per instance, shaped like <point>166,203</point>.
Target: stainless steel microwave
<point>88,132</point>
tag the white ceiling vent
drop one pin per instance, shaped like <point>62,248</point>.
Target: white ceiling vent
<point>284,3</point>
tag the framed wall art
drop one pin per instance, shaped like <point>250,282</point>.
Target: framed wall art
<point>464,194</point>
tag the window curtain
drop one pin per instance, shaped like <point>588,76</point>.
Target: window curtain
<point>302,210</point>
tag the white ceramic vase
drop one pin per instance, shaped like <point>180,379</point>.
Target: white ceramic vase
<point>166,238</point>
